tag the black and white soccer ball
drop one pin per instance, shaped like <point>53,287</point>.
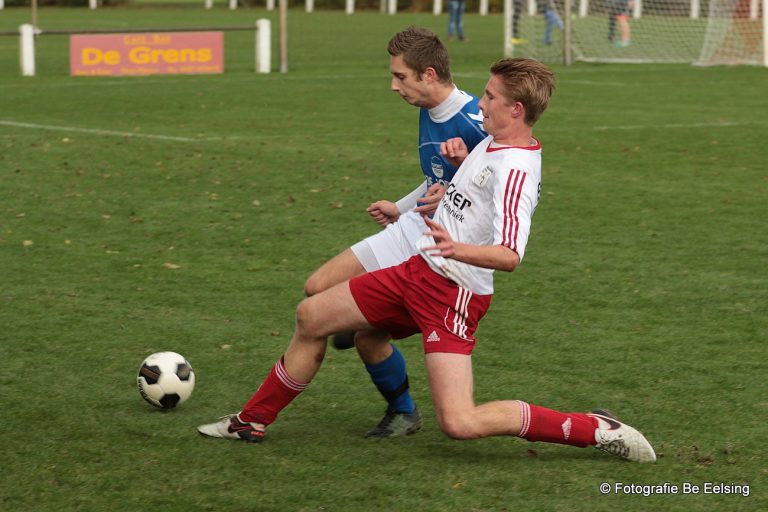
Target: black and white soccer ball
<point>166,379</point>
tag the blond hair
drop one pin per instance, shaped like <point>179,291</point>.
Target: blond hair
<point>528,81</point>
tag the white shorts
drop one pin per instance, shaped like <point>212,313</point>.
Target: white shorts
<point>392,245</point>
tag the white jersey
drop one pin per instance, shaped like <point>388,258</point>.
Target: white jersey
<point>457,116</point>
<point>490,201</point>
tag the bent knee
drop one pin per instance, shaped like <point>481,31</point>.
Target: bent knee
<point>458,427</point>
<point>308,323</point>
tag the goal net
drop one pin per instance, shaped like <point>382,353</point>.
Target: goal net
<point>735,33</point>
<point>704,32</point>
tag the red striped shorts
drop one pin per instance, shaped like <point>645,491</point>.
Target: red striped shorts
<point>411,297</point>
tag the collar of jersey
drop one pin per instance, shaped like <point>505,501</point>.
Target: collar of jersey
<point>535,147</point>
<point>451,106</point>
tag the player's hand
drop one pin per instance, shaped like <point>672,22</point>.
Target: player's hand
<point>383,212</point>
<point>431,200</point>
<point>444,244</point>
<point>454,150</point>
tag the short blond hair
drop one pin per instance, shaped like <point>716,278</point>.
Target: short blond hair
<point>528,81</point>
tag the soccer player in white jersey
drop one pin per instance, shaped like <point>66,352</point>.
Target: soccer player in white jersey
<point>482,224</point>
<point>421,75</point>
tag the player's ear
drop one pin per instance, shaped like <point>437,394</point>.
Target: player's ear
<point>518,110</point>
<point>430,75</point>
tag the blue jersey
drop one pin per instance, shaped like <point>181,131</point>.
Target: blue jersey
<point>457,116</point>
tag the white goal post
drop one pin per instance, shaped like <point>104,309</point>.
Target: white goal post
<point>701,32</point>
<point>736,33</point>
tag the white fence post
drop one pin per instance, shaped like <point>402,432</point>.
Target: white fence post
<point>2,4</point>
<point>263,45</point>
<point>350,7</point>
<point>93,4</point>
<point>27,49</point>
<point>437,7</point>
<point>270,5</point>
<point>531,7</point>
<point>392,6</point>
<point>637,12</point>
<point>568,31</point>
<point>310,6</point>
<point>232,5</point>
<point>583,8</point>
<point>483,8</point>
<point>695,9</point>
<point>209,4</point>
<point>509,49</point>
<point>765,33</point>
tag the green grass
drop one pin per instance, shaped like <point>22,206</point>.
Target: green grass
<point>644,288</point>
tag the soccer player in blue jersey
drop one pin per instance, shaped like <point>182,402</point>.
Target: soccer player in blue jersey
<point>421,75</point>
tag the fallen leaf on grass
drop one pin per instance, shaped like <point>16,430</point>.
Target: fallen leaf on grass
<point>171,266</point>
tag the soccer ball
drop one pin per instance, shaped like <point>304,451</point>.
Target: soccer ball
<point>166,379</point>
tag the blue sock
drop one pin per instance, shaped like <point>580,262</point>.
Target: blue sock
<point>390,378</point>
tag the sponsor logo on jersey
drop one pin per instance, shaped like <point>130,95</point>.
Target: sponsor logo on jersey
<point>454,203</point>
<point>437,167</point>
<point>431,181</point>
<point>483,176</point>
<point>456,198</point>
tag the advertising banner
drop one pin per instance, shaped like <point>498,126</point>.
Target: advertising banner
<point>146,54</point>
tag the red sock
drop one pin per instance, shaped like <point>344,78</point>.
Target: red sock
<point>274,395</point>
<point>542,424</point>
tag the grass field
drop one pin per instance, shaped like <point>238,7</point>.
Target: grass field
<point>185,212</point>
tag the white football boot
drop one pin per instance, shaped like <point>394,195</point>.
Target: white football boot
<point>619,439</point>
<point>230,427</point>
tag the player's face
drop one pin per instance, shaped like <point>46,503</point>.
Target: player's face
<point>497,112</point>
<point>407,83</point>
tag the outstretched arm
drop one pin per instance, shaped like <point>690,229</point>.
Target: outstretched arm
<point>384,212</point>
